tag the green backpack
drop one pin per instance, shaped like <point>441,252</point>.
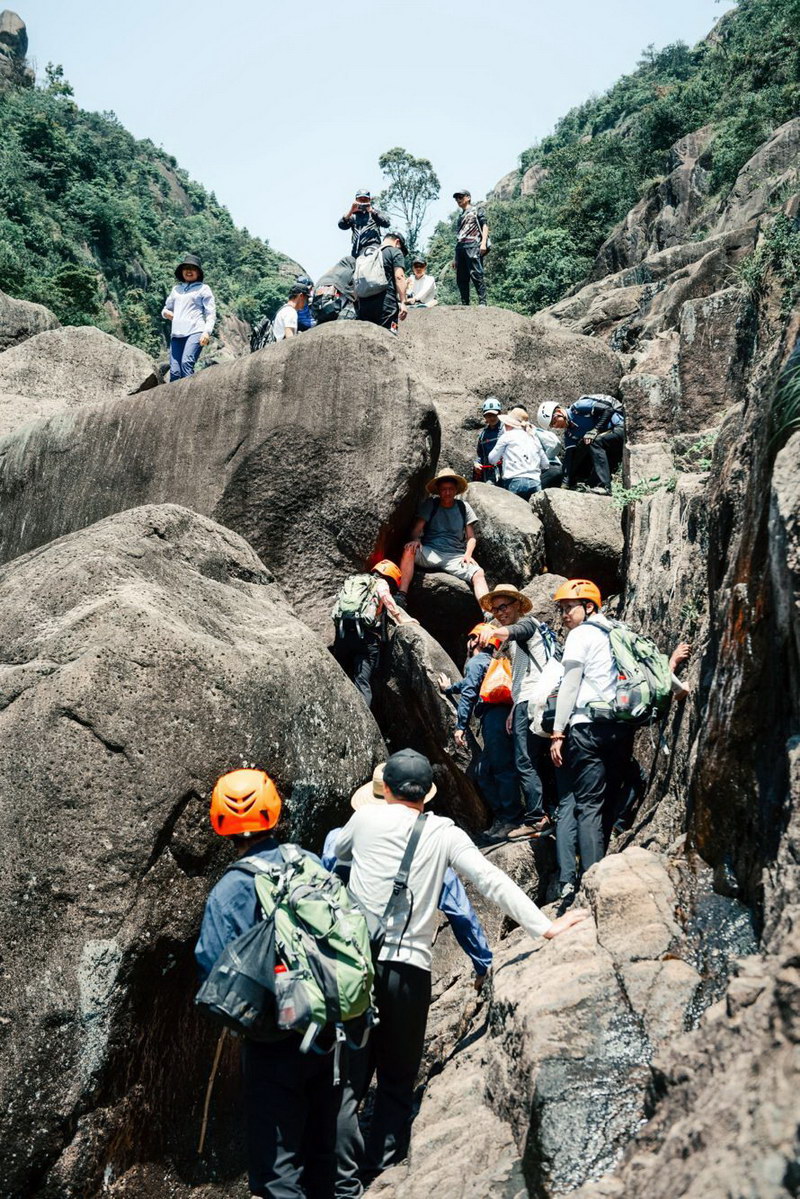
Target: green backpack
<point>305,966</point>
<point>358,600</point>
<point>644,679</point>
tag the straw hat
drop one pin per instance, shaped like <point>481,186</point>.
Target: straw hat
<point>510,592</point>
<point>447,476</point>
<point>372,792</point>
<point>517,418</point>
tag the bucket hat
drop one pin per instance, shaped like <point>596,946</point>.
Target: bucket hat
<point>188,260</point>
<point>447,476</point>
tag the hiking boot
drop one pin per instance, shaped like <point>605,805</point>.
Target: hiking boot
<point>498,831</point>
<point>600,491</point>
<point>539,828</point>
<point>566,897</point>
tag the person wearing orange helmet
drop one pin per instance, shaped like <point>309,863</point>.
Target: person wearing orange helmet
<point>291,1103</point>
<point>494,771</point>
<point>364,605</point>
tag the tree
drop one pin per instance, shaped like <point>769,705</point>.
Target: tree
<point>413,185</point>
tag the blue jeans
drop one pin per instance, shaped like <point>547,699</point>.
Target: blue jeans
<point>523,487</point>
<point>183,354</point>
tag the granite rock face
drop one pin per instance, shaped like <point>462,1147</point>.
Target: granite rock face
<point>20,319</point>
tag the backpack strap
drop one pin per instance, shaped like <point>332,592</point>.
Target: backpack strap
<point>436,504</point>
<point>400,883</point>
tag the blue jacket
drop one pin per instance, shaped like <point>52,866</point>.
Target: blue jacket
<point>453,901</point>
<point>469,689</point>
<point>304,319</point>
<point>586,414</point>
<point>231,908</point>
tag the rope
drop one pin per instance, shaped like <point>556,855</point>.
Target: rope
<point>209,1088</point>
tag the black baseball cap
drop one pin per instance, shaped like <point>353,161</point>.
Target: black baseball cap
<point>400,238</point>
<point>407,766</point>
<point>463,192</point>
<point>419,260</point>
<point>300,289</point>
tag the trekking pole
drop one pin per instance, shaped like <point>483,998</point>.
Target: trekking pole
<point>209,1088</point>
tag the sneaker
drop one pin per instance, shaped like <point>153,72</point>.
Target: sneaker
<point>566,897</point>
<point>600,491</point>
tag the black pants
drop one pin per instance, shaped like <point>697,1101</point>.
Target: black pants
<point>597,757</point>
<point>496,775</point>
<point>552,477</point>
<point>291,1107</point>
<point>394,1054</point>
<point>594,463</point>
<point>358,654</point>
<point>469,265</point>
<point>376,315</point>
<point>534,767</point>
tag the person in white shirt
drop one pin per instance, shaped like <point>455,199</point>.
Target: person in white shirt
<point>285,323</point>
<point>521,453</point>
<point>373,843</point>
<point>192,311</point>
<point>554,448</point>
<point>421,289</point>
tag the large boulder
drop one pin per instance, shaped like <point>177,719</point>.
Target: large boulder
<point>465,354</point>
<point>446,607</point>
<point>582,535</point>
<point>540,592</point>
<point>413,712</point>
<point>765,179</point>
<point>313,449</point>
<point>142,657</point>
<point>510,537</point>
<point>66,368</point>
<point>20,319</point>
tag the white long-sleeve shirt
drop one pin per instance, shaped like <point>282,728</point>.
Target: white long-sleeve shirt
<point>193,309</point>
<point>522,455</point>
<point>421,291</point>
<point>373,842</point>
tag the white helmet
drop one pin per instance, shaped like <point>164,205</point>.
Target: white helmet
<point>545,413</point>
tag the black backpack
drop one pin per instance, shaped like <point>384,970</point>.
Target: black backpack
<point>262,335</point>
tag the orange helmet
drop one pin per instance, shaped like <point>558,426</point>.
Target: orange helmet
<point>478,629</point>
<point>388,570</point>
<point>244,801</point>
<point>579,589</point>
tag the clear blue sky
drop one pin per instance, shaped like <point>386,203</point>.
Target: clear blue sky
<point>283,109</point>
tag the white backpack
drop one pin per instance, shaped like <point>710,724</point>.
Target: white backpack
<point>370,274</point>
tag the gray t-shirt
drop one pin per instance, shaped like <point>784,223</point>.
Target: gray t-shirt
<point>446,533</point>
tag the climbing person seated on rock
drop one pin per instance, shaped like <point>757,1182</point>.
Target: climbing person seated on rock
<point>334,297</point>
<point>373,843</point>
<point>364,222</point>
<point>387,306</point>
<point>594,433</point>
<point>596,748</point>
<point>191,310</point>
<point>553,448</point>
<point>286,319</point>
<point>305,317</point>
<point>482,469</point>
<point>520,451</point>
<point>285,1091</point>
<point>532,645</point>
<point>360,612</point>
<point>495,773</point>
<point>420,286</point>
<point>443,536</point>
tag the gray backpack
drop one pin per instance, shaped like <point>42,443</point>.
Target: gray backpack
<point>370,273</point>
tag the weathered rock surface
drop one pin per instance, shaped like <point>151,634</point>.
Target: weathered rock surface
<point>20,319</point>
<point>465,354</point>
<point>540,592</point>
<point>582,536</point>
<point>412,711</point>
<point>510,537</point>
<point>314,450</point>
<point>505,188</point>
<point>67,368</point>
<point>141,658</point>
<point>13,48</point>
<point>446,607</point>
<point>764,180</point>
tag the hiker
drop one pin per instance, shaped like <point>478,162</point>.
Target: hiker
<point>360,613</point>
<point>472,245</point>
<point>594,433</point>
<point>521,453</point>
<point>443,536</point>
<point>495,771</point>
<point>305,316</point>
<point>334,295</point>
<point>290,1100</point>
<point>192,311</point>
<point>381,300</point>
<point>532,645</point>
<point>364,221</point>
<point>286,319</point>
<point>553,475</point>
<point>596,746</point>
<point>373,842</point>
<point>482,469</point>
<point>420,286</point>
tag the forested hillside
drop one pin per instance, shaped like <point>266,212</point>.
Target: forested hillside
<point>574,186</point>
<point>91,220</point>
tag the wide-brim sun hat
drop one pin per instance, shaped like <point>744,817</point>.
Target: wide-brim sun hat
<point>372,792</point>
<point>509,591</point>
<point>447,476</point>
<point>508,418</point>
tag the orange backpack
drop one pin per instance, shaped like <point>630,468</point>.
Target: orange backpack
<point>496,685</point>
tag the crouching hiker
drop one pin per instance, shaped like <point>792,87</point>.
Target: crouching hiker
<point>521,453</point>
<point>594,433</point>
<point>254,957</point>
<point>495,773</point>
<point>362,608</point>
<point>398,846</point>
<point>443,536</point>
<point>615,681</point>
<point>192,311</point>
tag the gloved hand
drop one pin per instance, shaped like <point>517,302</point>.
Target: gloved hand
<point>589,437</point>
